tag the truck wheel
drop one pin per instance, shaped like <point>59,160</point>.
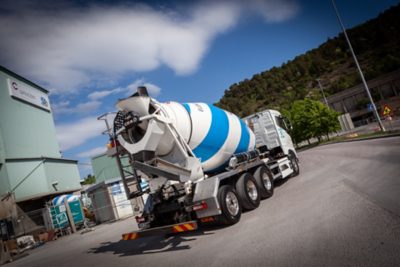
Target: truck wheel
<point>264,181</point>
<point>248,192</point>
<point>294,162</point>
<point>230,205</point>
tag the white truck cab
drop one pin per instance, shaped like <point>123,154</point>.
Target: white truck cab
<point>271,130</point>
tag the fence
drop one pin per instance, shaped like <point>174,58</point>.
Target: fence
<point>106,204</point>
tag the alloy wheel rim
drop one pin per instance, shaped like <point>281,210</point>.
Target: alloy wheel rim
<point>252,190</point>
<point>267,182</point>
<point>232,203</point>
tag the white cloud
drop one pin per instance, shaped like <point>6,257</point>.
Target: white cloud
<point>96,95</point>
<point>64,107</point>
<point>273,10</point>
<point>65,47</point>
<point>73,134</point>
<point>92,152</point>
<point>152,89</point>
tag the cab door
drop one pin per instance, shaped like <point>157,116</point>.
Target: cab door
<point>283,133</point>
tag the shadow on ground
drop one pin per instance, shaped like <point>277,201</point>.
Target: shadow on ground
<point>159,244</point>
<point>280,182</point>
<point>149,245</point>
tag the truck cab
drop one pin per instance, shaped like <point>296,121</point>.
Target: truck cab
<point>271,129</point>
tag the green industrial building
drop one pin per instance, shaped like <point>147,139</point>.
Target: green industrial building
<point>105,168</point>
<point>31,165</point>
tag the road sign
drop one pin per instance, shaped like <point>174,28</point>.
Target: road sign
<point>386,110</point>
<point>370,108</point>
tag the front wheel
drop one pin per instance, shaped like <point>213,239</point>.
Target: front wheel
<point>294,162</point>
<point>229,204</point>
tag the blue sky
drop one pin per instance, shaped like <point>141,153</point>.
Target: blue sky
<point>88,54</point>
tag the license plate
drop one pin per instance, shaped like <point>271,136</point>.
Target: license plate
<point>144,225</point>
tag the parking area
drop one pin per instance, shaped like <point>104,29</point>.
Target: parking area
<point>343,209</point>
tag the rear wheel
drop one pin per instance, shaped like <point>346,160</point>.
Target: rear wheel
<point>230,205</point>
<point>264,181</point>
<point>247,189</point>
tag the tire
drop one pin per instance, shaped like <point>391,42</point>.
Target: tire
<point>264,181</point>
<point>294,162</point>
<point>248,192</point>
<point>229,204</point>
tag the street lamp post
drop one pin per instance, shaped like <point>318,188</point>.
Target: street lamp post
<point>322,90</point>
<point>359,68</point>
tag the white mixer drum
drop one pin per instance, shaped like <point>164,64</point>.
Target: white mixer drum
<point>213,134</point>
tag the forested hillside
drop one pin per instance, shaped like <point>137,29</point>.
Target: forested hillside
<point>376,43</point>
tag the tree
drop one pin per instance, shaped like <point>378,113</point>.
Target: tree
<point>90,179</point>
<point>311,119</point>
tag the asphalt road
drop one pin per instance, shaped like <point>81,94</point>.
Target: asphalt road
<point>342,210</point>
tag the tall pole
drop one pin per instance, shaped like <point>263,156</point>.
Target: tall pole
<point>359,68</point>
<point>322,90</point>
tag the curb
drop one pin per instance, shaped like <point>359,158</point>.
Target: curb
<point>354,140</point>
<point>366,138</point>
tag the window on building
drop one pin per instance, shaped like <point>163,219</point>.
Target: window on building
<point>338,107</point>
<point>350,103</point>
<point>387,91</point>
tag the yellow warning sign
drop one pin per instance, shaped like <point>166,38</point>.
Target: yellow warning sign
<point>386,110</point>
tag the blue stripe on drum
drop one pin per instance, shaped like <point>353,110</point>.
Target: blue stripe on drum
<point>216,136</point>
<point>244,138</point>
<point>187,107</point>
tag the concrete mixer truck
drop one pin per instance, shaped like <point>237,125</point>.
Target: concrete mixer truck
<point>194,163</point>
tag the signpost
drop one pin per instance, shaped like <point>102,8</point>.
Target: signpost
<point>386,111</point>
<point>29,94</point>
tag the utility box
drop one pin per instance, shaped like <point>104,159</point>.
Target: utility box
<point>109,201</point>
<point>346,123</point>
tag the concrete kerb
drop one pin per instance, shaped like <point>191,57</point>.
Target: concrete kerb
<point>397,133</point>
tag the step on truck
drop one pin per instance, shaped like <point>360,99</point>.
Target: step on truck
<point>193,163</point>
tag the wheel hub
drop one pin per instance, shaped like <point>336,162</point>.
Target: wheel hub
<point>252,190</point>
<point>232,203</point>
<point>267,182</point>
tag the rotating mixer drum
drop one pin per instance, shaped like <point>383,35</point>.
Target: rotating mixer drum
<point>213,134</point>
